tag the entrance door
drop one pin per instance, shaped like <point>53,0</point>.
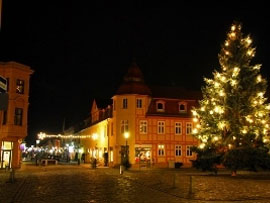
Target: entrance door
<point>6,159</point>
<point>124,154</point>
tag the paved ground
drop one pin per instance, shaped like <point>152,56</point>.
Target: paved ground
<point>72,183</point>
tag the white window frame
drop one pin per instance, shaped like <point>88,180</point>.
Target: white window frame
<point>161,150</point>
<point>178,128</point>
<point>143,127</point>
<point>185,105</point>
<point>139,102</point>
<point>125,103</point>
<point>178,150</point>
<point>161,127</point>
<point>163,106</point>
<point>188,151</point>
<point>124,126</point>
<point>189,128</point>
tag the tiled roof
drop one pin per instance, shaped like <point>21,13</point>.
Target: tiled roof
<point>175,93</point>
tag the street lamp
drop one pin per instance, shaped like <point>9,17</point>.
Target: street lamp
<point>126,135</point>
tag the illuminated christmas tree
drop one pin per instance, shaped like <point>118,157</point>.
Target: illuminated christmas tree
<point>233,117</point>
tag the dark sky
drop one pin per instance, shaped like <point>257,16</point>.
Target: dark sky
<point>80,52</point>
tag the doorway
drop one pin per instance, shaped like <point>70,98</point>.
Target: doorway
<point>6,159</point>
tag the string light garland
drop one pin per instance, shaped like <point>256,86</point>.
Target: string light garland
<point>43,136</point>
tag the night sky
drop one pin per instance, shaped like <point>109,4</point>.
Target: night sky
<point>80,52</point>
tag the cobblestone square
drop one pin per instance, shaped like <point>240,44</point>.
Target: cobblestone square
<point>73,183</point>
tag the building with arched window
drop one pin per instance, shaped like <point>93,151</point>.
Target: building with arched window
<point>153,125</point>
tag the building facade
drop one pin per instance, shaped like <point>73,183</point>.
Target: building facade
<point>152,125</point>
<point>13,121</point>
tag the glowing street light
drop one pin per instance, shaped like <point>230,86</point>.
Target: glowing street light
<point>126,135</point>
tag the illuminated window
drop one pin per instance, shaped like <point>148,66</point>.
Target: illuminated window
<point>161,127</point>
<point>189,152</point>
<point>188,128</point>
<point>139,103</point>
<point>20,86</point>
<point>111,154</point>
<point>178,150</point>
<point>125,103</point>
<point>18,116</point>
<point>182,107</point>
<point>124,126</point>
<point>178,128</point>
<point>161,150</point>
<point>143,127</point>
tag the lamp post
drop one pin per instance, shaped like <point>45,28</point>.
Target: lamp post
<point>126,135</point>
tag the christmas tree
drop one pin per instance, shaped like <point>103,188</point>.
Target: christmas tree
<point>232,121</point>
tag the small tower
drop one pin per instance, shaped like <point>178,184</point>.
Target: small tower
<point>130,102</point>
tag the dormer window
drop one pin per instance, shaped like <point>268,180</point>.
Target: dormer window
<point>182,107</point>
<point>160,106</point>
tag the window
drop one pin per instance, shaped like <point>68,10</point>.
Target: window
<point>178,150</point>
<point>161,127</point>
<point>161,150</point>
<point>182,107</point>
<point>124,126</point>
<point>188,128</point>
<point>18,116</point>
<point>178,128</point>
<point>4,118</point>
<point>139,103</point>
<point>20,86</point>
<point>189,152</point>
<point>125,103</point>
<point>111,154</point>
<point>160,106</point>
<point>143,127</point>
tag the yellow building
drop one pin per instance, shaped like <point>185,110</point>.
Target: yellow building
<point>153,124</point>
<point>13,121</point>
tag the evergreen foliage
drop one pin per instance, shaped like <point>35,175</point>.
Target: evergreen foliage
<point>232,120</point>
